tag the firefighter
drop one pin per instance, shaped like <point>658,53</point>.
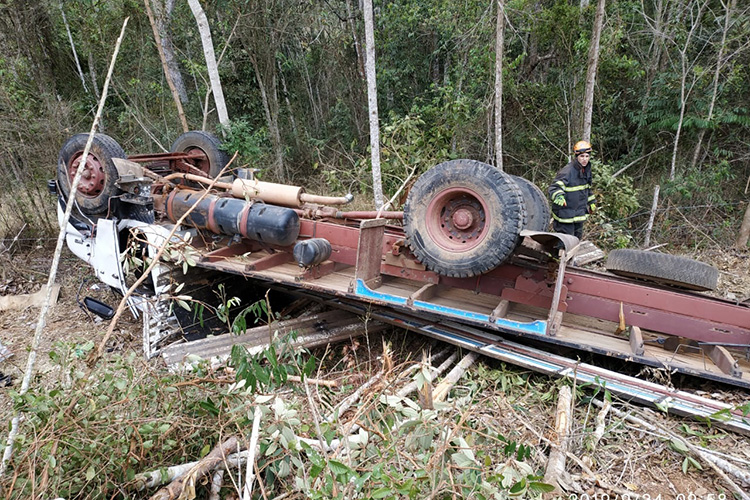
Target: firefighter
<point>571,195</point>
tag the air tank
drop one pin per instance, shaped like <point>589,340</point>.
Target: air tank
<point>312,252</point>
<point>253,220</point>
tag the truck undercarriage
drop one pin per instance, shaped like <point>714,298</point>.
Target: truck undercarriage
<point>467,261</point>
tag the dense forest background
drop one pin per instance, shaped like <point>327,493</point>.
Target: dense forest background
<point>670,104</point>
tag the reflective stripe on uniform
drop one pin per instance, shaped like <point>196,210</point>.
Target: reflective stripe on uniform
<point>577,218</point>
<point>592,198</point>
<point>570,189</point>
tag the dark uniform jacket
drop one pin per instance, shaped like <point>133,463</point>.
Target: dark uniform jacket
<point>574,182</point>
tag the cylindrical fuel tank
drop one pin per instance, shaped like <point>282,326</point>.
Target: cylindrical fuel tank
<point>312,252</point>
<point>256,221</point>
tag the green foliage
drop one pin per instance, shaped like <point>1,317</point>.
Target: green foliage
<point>707,185</point>
<point>156,425</point>
<point>616,201</point>
<point>251,146</point>
<point>268,369</point>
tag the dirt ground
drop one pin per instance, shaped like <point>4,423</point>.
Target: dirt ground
<point>633,459</point>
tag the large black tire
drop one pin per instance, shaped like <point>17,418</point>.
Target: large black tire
<point>663,268</point>
<point>97,186</point>
<point>537,208</point>
<point>463,218</point>
<point>209,145</point>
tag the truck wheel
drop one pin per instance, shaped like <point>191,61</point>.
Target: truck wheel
<point>463,218</point>
<point>663,268</point>
<point>537,208</point>
<point>198,141</point>
<point>97,185</point>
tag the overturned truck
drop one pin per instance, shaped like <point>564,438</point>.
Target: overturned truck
<point>468,255</point>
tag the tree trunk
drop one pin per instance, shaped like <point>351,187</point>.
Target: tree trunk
<point>350,17</point>
<point>730,6</point>
<point>288,104</point>
<point>163,16</point>
<point>588,100</point>
<point>372,104</point>
<point>744,229</point>
<point>684,92</point>
<point>73,48</point>
<point>92,73</point>
<point>652,217</point>
<point>158,39</point>
<point>211,67</point>
<point>272,119</point>
<point>499,42</point>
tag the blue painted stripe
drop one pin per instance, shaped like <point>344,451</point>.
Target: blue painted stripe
<point>538,327</point>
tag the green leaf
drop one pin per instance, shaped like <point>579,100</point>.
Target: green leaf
<point>542,487</point>
<point>315,470</point>
<point>338,468</point>
<point>90,473</point>
<point>679,446</point>
<point>518,488</point>
<point>383,493</point>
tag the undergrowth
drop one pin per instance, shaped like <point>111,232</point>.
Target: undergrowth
<point>91,437</point>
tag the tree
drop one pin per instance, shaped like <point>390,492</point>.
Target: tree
<point>499,42</point>
<point>372,104</point>
<point>73,48</point>
<point>211,66</point>
<point>694,13</point>
<point>744,229</point>
<point>168,72</point>
<point>729,8</point>
<point>261,30</point>
<point>593,63</point>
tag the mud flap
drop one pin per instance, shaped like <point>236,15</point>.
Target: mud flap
<point>550,240</point>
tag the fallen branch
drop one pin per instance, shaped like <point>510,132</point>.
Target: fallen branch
<point>600,424</point>
<point>162,476</point>
<point>247,493</point>
<point>217,481</point>
<point>556,461</point>
<point>424,393</point>
<point>599,482</point>
<point>184,485</point>
<point>444,387</point>
<point>353,397</point>
<point>412,386</point>
<point>313,381</point>
<point>720,466</point>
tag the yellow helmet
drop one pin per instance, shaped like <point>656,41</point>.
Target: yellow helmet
<point>582,147</point>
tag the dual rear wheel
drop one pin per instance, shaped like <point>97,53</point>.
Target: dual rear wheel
<point>464,217</point>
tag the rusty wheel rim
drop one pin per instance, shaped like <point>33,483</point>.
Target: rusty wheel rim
<point>94,175</point>
<point>201,162</point>
<point>458,219</point>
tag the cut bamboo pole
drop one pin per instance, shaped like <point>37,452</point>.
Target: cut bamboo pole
<point>184,485</point>
<point>556,461</point>
<point>444,387</point>
<point>412,386</point>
